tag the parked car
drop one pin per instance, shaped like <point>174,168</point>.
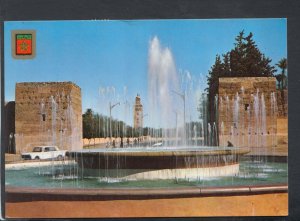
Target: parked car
<point>44,152</point>
<point>157,144</point>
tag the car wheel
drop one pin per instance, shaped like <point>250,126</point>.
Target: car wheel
<point>37,158</point>
<point>60,157</point>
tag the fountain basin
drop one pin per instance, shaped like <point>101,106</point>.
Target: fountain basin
<point>67,174</point>
<point>159,163</point>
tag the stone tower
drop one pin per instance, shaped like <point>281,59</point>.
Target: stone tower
<point>138,113</point>
<point>247,111</point>
<point>48,113</point>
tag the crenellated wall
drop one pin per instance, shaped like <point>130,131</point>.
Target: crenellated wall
<point>48,113</point>
<point>247,111</point>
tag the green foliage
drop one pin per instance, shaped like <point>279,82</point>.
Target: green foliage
<point>244,60</point>
<point>282,78</point>
<point>88,124</point>
<point>98,126</point>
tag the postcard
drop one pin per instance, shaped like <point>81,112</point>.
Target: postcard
<point>146,118</point>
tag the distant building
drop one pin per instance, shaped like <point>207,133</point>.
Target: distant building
<point>48,113</point>
<point>138,113</point>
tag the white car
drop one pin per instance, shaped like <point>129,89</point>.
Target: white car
<point>44,152</point>
<point>157,144</point>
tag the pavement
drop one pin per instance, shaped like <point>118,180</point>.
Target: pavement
<point>246,205</point>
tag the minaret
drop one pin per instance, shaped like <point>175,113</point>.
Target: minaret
<point>138,113</point>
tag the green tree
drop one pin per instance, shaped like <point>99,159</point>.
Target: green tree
<point>281,78</point>
<point>88,124</point>
<point>217,70</point>
<point>244,60</point>
<point>238,55</point>
<point>95,125</point>
<point>226,65</point>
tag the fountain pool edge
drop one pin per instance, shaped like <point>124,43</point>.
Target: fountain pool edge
<point>23,165</point>
<point>23,194</point>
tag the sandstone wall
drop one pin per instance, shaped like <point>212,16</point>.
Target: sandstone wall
<point>282,131</point>
<point>247,111</point>
<point>282,102</point>
<point>48,113</point>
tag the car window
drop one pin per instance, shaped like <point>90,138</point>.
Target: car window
<point>52,148</point>
<point>47,149</point>
<point>37,149</point>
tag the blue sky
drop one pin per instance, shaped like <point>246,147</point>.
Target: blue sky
<point>95,54</point>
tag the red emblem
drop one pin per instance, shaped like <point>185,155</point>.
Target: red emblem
<point>23,44</point>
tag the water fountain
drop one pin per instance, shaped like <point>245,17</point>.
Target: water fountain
<point>174,160</point>
<point>159,163</point>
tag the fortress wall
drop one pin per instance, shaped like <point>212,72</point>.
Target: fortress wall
<point>48,113</point>
<point>282,102</point>
<point>247,114</point>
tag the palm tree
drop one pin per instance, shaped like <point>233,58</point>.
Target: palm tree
<point>282,64</point>
<point>279,80</point>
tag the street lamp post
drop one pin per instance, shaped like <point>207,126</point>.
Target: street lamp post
<point>176,132</point>
<point>110,108</point>
<point>176,114</point>
<point>145,115</point>
<point>182,95</point>
<point>127,110</point>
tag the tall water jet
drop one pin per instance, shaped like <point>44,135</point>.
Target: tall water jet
<point>53,118</point>
<point>203,119</point>
<point>256,118</point>
<point>222,134</point>
<point>162,81</point>
<point>195,134</point>
<point>209,134</point>
<point>263,121</point>
<point>236,119</point>
<point>273,118</point>
<point>248,111</point>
